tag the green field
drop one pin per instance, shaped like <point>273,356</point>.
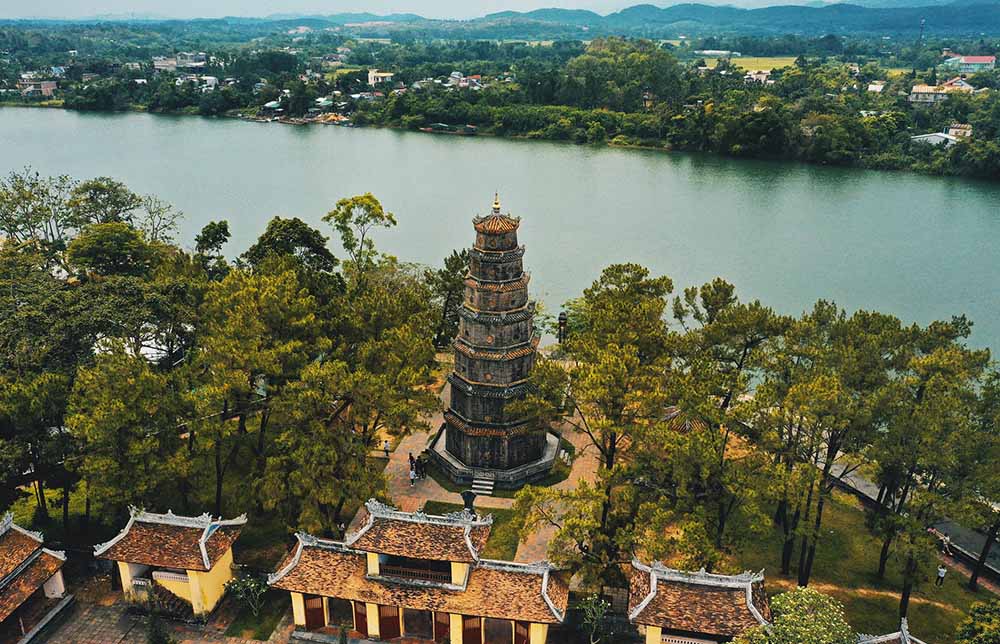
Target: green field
<point>846,561</point>
<point>754,63</point>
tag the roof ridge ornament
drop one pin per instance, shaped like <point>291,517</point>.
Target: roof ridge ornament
<point>496,203</point>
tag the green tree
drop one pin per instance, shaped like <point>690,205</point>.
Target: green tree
<point>447,285</point>
<point>111,249</point>
<point>982,626</point>
<point>355,219</point>
<point>126,417</point>
<point>802,616</point>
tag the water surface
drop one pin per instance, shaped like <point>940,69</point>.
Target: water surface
<point>919,247</point>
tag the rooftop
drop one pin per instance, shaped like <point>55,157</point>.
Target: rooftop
<point>698,602</point>
<point>902,636</point>
<point>502,590</point>
<point>452,537</point>
<point>496,223</point>
<point>172,541</point>
<point>24,564</point>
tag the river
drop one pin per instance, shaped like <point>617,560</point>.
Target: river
<point>920,247</point>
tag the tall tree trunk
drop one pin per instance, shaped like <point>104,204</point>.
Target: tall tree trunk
<point>219,472</point>
<point>991,538</point>
<point>909,572</point>
<point>883,557</point>
<point>86,508</point>
<point>43,506</point>
<point>65,506</point>
<point>805,572</point>
<point>788,549</point>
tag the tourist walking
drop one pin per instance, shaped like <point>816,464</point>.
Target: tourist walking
<point>942,571</point>
<point>412,461</point>
<point>413,476</point>
<point>385,447</point>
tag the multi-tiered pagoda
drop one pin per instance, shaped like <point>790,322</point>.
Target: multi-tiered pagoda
<point>494,353</point>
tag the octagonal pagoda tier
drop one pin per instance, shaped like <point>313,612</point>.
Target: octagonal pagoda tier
<point>494,353</point>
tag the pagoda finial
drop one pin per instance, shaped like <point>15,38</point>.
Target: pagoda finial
<point>496,202</point>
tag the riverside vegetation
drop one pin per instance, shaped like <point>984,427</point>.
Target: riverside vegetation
<point>608,91</point>
<point>135,372</point>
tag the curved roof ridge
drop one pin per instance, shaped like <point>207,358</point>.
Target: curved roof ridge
<point>205,522</point>
<point>7,523</point>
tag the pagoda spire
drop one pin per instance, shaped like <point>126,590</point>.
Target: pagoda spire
<point>496,203</point>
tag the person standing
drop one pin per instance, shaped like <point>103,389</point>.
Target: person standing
<point>412,463</point>
<point>942,571</point>
<point>413,476</point>
<point>385,447</point>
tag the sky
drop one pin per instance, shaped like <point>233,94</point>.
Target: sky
<point>216,8</point>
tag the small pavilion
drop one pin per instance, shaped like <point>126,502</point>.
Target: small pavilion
<point>902,636</point>
<point>676,607</point>
<point>420,576</point>
<point>31,580</point>
<point>180,564</point>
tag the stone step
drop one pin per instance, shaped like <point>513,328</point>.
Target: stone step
<point>483,487</point>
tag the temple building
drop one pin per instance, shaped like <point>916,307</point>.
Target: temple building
<point>420,576</point>
<point>675,607</point>
<point>902,636</point>
<point>178,564</point>
<point>494,353</point>
<point>31,582</point>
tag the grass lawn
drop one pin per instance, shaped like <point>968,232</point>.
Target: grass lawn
<point>260,627</point>
<point>753,63</point>
<point>846,561</point>
<point>504,536</point>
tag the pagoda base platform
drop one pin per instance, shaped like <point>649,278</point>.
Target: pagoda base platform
<point>511,479</point>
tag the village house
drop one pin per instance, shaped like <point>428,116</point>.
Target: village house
<point>970,64</point>
<point>180,563</point>
<point>422,576</point>
<point>960,130</point>
<point>761,77</point>
<point>30,87</point>
<point>902,636</point>
<point>876,87</point>
<point>375,77</point>
<point>930,94</point>
<point>191,60</point>
<point>675,607</point>
<point>31,581</point>
<point>164,64</point>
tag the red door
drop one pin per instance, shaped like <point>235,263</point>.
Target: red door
<point>314,612</point>
<point>521,632</point>
<point>361,618</point>
<point>442,627</point>
<point>388,622</point>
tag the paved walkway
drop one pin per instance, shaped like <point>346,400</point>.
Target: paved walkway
<point>411,498</point>
<point>97,624</point>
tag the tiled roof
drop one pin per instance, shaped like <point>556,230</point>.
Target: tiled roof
<point>172,541</point>
<point>902,636</point>
<point>719,605</point>
<point>24,565</point>
<point>502,590</point>
<point>495,223</point>
<point>508,354</point>
<point>484,430</point>
<point>453,537</point>
<point>979,59</point>
<point>499,287</point>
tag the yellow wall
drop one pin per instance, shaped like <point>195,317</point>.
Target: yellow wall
<point>180,588</point>
<point>459,571</point>
<point>455,630</point>
<point>654,635</point>
<point>126,577</point>
<point>298,609</point>
<point>207,588</point>
<point>538,633</point>
<point>371,612</point>
<point>373,564</point>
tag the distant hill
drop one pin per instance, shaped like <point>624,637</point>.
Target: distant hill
<point>882,17</point>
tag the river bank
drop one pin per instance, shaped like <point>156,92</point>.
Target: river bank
<point>931,166</point>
